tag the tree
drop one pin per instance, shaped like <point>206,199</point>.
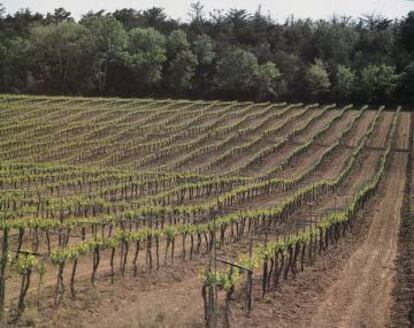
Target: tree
<point>146,54</point>
<point>2,10</point>
<point>20,24</point>
<point>236,71</point>
<point>293,69</point>
<point>182,70</point>
<point>176,42</point>
<point>203,47</point>
<point>109,41</point>
<point>407,83</point>
<point>387,80</point>
<point>251,51</point>
<point>155,17</point>
<point>182,62</point>
<point>267,78</point>
<point>59,15</point>
<point>317,79</point>
<point>204,50</point>
<point>376,41</point>
<point>334,42</point>
<point>16,63</point>
<point>263,52</point>
<point>92,14</point>
<point>344,83</point>
<point>130,18</point>
<point>60,51</point>
<point>407,32</point>
<point>196,14</point>
<point>378,83</point>
<point>237,18</point>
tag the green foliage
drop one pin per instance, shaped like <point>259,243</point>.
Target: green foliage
<point>146,54</point>
<point>345,80</point>
<point>16,62</point>
<point>177,42</point>
<point>41,269</point>
<point>236,71</point>
<point>317,79</point>
<point>334,41</point>
<point>107,36</point>
<point>108,40</point>
<point>59,15</point>
<point>59,50</point>
<point>124,53</point>
<point>182,70</point>
<point>203,47</point>
<point>146,46</point>
<point>25,263</point>
<point>407,32</point>
<point>407,83</point>
<point>262,253</point>
<point>378,82</point>
<point>267,80</point>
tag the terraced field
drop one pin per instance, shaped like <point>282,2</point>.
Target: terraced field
<point>120,213</point>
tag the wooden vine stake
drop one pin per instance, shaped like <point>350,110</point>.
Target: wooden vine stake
<point>209,299</point>
<point>3,264</point>
<point>249,284</point>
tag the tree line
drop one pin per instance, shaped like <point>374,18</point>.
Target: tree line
<point>230,54</point>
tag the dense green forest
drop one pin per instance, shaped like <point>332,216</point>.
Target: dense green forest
<point>230,54</point>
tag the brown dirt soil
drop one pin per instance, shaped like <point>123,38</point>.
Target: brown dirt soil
<point>316,125</point>
<point>361,127</point>
<point>203,160</point>
<point>351,285</point>
<point>383,126</point>
<point>403,308</point>
<point>328,171</point>
<point>403,131</point>
<point>361,297</point>
<point>340,125</point>
<point>168,295</point>
<point>304,160</point>
<point>239,160</point>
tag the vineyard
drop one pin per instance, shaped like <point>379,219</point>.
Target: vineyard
<point>177,213</point>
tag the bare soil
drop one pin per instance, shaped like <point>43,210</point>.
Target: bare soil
<point>351,286</point>
<point>355,284</point>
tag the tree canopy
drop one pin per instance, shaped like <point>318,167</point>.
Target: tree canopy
<point>230,54</point>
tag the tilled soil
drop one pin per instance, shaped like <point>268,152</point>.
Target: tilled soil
<point>361,297</point>
<point>350,286</point>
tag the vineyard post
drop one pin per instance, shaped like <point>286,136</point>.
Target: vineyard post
<point>41,270</point>
<point>4,258</point>
<point>25,283</point>
<point>249,274</point>
<point>211,299</point>
<point>249,281</point>
<point>227,305</point>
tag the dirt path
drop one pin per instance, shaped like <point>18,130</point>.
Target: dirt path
<point>316,125</point>
<point>238,161</point>
<point>157,304</point>
<point>403,131</point>
<point>340,125</point>
<point>383,127</point>
<point>361,127</point>
<point>361,296</point>
<point>203,160</point>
